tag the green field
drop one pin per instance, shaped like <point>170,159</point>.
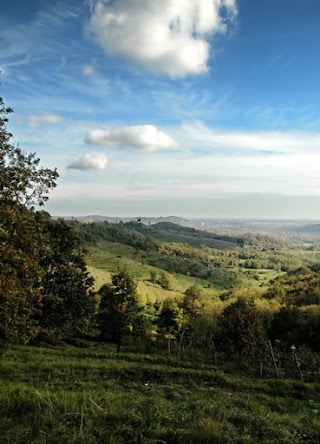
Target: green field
<point>107,258</point>
<point>90,395</point>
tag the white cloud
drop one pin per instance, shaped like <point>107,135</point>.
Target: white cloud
<point>46,118</point>
<point>88,70</point>
<point>145,137</point>
<point>168,36</point>
<point>89,161</point>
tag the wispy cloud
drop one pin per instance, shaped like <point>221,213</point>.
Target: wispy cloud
<point>170,37</point>
<point>46,118</point>
<point>38,35</point>
<point>202,178</point>
<point>199,135</point>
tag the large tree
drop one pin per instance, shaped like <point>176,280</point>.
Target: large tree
<point>44,283</point>
<point>24,183</point>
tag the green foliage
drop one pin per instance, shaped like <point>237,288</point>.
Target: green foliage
<point>299,287</point>
<point>43,280</point>
<point>119,312</point>
<point>170,316</point>
<point>173,257</point>
<point>153,276</point>
<point>242,329</point>
<point>166,281</point>
<point>67,296</point>
<point>193,302</point>
<point>20,274</point>
<point>170,232</point>
<point>23,183</point>
<point>22,179</point>
<point>123,233</point>
<point>291,326</point>
<point>222,278</point>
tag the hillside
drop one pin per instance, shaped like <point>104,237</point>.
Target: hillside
<point>215,262</point>
<point>163,247</point>
<point>171,232</point>
<point>133,232</point>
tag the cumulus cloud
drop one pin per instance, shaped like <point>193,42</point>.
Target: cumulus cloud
<point>89,161</point>
<point>145,137</point>
<point>168,36</point>
<point>46,118</point>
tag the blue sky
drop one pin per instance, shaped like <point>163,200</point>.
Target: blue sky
<point>186,107</point>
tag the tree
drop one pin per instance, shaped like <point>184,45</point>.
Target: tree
<point>44,283</point>
<point>67,295</point>
<point>242,329</point>
<point>193,302</point>
<point>166,281</point>
<point>119,311</point>
<point>170,317</point>
<point>20,274</point>
<point>293,326</point>
<point>23,184</point>
<point>22,179</point>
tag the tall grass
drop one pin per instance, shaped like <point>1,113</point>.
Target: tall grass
<point>69,395</point>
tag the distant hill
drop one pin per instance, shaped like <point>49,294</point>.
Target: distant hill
<point>147,237</point>
<point>254,231</point>
<point>112,219</point>
<point>312,229</point>
<point>171,232</point>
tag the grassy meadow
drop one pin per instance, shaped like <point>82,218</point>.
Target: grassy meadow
<point>91,395</point>
<point>107,258</point>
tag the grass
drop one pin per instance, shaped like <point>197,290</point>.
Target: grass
<point>90,395</point>
<point>109,257</point>
<point>112,257</point>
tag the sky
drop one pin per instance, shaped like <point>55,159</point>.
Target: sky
<point>193,108</point>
